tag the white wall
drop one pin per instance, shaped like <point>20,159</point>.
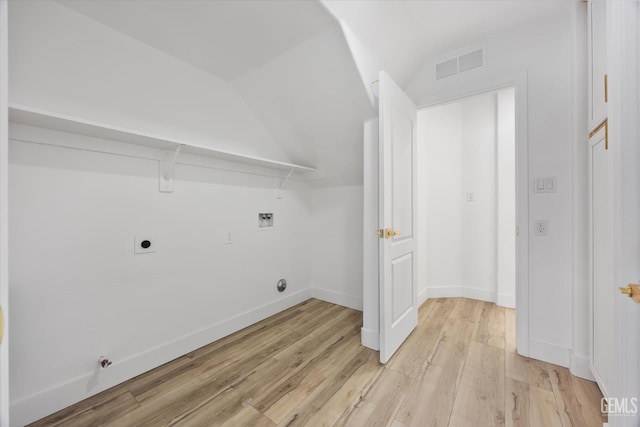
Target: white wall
<point>459,156</point>
<point>336,248</point>
<point>440,183</point>
<point>64,62</point>
<point>479,177</point>
<point>79,292</point>
<point>543,49</point>
<point>506,181</point>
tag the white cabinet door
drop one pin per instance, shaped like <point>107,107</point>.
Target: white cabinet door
<point>397,216</point>
<point>597,31</point>
<point>603,290</point>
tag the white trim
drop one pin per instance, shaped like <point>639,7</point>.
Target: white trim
<point>462,292</point>
<point>339,298</point>
<point>508,301</point>
<point>370,339</point>
<point>423,295</point>
<point>51,400</point>
<point>548,352</point>
<point>520,83</point>
<point>580,367</point>
<point>4,213</point>
<point>603,389</point>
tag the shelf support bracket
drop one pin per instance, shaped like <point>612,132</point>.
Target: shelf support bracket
<point>284,182</point>
<point>167,167</point>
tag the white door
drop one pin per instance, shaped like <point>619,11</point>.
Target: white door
<point>623,65</point>
<point>602,290</point>
<point>625,142</point>
<point>397,217</point>
<point>4,225</point>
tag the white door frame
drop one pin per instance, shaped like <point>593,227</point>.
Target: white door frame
<point>519,83</point>
<point>4,210</point>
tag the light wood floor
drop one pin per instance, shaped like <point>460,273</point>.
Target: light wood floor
<point>305,366</point>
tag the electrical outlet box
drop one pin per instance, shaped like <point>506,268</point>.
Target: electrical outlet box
<point>144,245</point>
<point>541,227</point>
<point>265,220</point>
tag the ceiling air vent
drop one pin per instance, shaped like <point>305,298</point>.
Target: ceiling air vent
<point>461,63</point>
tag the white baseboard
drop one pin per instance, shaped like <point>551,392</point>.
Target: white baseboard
<point>508,301</point>
<point>547,352</point>
<point>337,298</point>
<point>580,367</point>
<point>423,295</point>
<point>370,339</point>
<point>46,402</point>
<point>461,291</point>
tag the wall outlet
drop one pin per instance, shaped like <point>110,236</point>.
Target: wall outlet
<point>265,220</point>
<point>541,227</point>
<point>144,245</point>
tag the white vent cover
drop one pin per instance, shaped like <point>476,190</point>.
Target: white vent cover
<point>465,62</point>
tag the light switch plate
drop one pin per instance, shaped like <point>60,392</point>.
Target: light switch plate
<point>545,184</point>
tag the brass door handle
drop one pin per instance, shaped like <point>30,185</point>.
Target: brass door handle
<point>389,233</point>
<point>386,233</point>
<point>632,291</point>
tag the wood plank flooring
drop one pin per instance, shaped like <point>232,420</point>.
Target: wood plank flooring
<point>305,367</point>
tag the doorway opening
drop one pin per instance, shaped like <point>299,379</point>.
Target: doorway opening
<point>467,198</point>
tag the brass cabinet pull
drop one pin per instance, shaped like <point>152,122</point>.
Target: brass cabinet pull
<point>605,125</point>
<point>606,88</point>
<point>632,291</point>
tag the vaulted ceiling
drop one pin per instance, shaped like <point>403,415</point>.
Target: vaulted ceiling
<point>303,67</point>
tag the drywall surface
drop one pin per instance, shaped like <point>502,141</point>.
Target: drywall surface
<point>66,63</point>
<point>506,197</point>
<point>78,291</point>
<point>314,105</point>
<point>541,50</point>
<point>462,171</point>
<point>336,231</point>
<point>440,183</point>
